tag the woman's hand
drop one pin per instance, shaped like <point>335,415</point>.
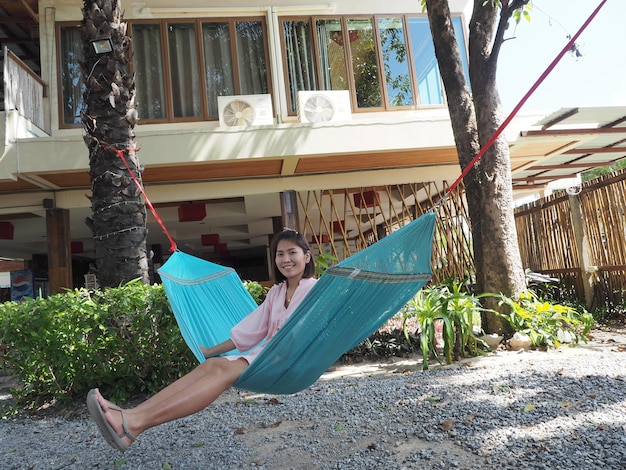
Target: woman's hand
<point>218,349</point>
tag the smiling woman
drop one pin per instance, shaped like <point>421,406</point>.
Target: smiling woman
<point>294,270</point>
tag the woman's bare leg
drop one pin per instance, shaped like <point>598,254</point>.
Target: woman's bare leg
<point>189,394</point>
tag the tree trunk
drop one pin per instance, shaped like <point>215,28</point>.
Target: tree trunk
<point>109,116</point>
<point>475,117</point>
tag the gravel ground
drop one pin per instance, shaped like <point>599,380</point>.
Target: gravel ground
<point>522,410</point>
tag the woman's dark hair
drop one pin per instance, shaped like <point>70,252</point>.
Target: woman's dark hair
<point>298,239</point>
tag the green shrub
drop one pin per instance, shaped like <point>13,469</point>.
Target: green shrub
<point>256,290</point>
<point>547,324</point>
<point>323,262</point>
<point>124,340</point>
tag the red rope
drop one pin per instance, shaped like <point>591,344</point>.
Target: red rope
<point>532,89</point>
<point>120,153</point>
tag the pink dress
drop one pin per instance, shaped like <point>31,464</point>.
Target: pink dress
<point>266,319</point>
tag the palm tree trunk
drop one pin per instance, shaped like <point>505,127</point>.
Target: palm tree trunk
<point>109,117</point>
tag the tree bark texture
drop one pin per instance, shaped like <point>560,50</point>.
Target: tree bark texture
<point>475,117</point>
<point>109,116</point>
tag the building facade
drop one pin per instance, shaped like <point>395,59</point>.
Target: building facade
<point>328,117</point>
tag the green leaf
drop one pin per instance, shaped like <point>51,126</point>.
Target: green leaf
<point>432,399</point>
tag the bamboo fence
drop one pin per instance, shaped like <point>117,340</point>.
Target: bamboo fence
<point>592,262</point>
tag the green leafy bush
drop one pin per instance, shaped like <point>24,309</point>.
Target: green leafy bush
<point>124,340</point>
<point>547,324</point>
<point>256,290</point>
<point>323,262</point>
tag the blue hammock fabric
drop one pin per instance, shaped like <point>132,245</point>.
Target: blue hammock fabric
<point>348,303</point>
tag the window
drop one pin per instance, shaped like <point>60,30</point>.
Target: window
<point>299,62</point>
<point>332,54</point>
<point>180,67</point>
<point>251,57</point>
<point>71,85</point>
<point>218,66</point>
<point>365,66</point>
<point>235,59</point>
<point>184,70</point>
<point>395,62</point>
<point>429,86</point>
<point>230,58</point>
<point>149,71</point>
<point>386,62</point>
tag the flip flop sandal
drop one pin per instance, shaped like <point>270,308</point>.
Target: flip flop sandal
<point>110,436</point>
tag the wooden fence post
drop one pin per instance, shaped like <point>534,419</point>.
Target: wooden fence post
<point>587,271</point>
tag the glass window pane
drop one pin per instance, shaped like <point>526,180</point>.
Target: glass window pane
<point>218,63</point>
<point>148,64</point>
<point>251,57</point>
<point>332,55</point>
<point>364,64</point>
<point>429,85</point>
<point>72,86</point>
<point>184,70</point>
<point>300,63</point>
<point>395,61</point>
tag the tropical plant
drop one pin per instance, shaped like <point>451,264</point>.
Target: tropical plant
<point>323,262</point>
<point>458,313</point>
<point>545,323</point>
<point>256,290</point>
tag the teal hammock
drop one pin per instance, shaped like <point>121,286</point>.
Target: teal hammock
<point>349,302</point>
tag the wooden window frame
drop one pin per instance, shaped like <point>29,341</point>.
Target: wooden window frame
<point>313,37</point>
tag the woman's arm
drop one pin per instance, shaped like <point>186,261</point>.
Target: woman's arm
<point>218,349</point>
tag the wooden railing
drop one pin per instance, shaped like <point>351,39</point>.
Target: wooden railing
<point>343,222</point>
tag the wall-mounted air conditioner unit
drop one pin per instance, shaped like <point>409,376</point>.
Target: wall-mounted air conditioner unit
<point>324,106</point>
<point>245,110</point>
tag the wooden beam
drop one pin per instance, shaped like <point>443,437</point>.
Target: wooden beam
<point>521,185</point>
<point>59,250</point>
<point>559,118</point>
<point>589,150</point>
<point>531,179</point>
<point>22,19</point>
<point>616,122</point>
<point>30,11</point>
<point>570,165</point>
<point>565,132</point>
<point>16,40</point>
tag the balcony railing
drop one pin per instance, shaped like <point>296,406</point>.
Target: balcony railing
<point>24,91</point>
